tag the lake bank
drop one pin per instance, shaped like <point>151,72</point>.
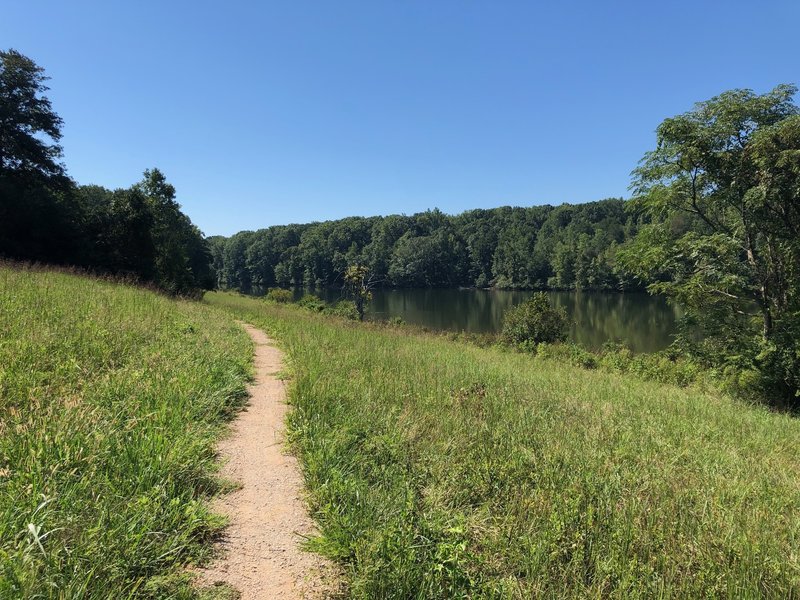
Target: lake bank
<point>643,322</point>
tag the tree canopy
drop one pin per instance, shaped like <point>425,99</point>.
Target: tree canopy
<point>27,119</point>
<point>538,247</point>
<point>722,190</point>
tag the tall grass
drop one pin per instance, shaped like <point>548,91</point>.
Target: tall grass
<point>441,470</point>
<point>110,400</point>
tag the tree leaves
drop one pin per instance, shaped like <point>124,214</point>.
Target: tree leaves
<point>733,166</point>
<point>27,119</point>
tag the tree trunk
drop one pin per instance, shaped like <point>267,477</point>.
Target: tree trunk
<point>762,298</point>
<point>767,313</point>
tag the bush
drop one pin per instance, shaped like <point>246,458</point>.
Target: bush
<point>344,308</point>
<point>534,321</point>
<point>778,360</point>
<point>581,357</point>
<point>659,366</point>
<point>616,357</point>
<point>312,303</point>
<point>278,295</point>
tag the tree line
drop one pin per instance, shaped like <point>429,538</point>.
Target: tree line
<point>539,247</point>
<point>139,232</point>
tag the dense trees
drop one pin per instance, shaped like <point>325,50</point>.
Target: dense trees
<point>722,188</point>
<point>565,247</point>
<point>141,232</point>
<point>44,216</point>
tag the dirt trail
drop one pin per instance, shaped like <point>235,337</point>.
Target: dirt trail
<point>261,546</point>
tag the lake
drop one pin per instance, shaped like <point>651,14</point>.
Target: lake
<point>645,323</point>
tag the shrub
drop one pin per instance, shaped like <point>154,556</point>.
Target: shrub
<point>581,357</point>
<point>533,322</point>
<point>312,303</point>
<point>616,357</point>
<point>278,295</point>
<point>344,308</point>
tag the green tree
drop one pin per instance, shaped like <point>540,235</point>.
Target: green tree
<point>182,257</point>
<point>359,285</point>
<point>37,211</point>
<point>377,254</point>
<point>513,253</point>
<point>216,246</point>
<point>27,119</point>
<point>235,274</point>
<point>534,321</point>
<point>732,165</point>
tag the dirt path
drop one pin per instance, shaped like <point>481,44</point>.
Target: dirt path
<point>261,546</point>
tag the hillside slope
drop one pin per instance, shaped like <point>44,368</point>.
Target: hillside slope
<point>438,470</point>
<point>111,398</point>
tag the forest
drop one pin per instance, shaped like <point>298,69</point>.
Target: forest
<point>138,233</point>
<point>537,247</point>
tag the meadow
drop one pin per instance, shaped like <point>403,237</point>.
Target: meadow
<point>111,398</point>
<point>437,469</point>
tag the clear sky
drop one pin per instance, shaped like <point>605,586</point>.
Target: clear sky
<point>264,113</point>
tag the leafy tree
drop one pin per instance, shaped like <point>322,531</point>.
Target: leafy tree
<point>732,165</point>
<point>216,247</point>
<point>266,250</point>
<point>37,211</point>
<point>438,259</point>
<point>514,251</point>
<point>534,321</point>
<point>127,235</point>
<point>27,119</point>
<point>235,274</point>
<point>359,284</point>
<point>182,257</point>
<point>377,254</point>
<point>480,230</point>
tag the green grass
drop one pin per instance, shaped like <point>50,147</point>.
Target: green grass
<point>111,398</point>
<point>442,470</point>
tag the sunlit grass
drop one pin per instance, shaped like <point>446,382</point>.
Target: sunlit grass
<point>110,400</point>
<point>438,469</point>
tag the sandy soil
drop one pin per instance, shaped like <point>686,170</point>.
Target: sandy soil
<point>261,555</point>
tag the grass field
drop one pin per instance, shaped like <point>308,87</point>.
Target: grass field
<point>110,400</point>
<point>442,470</point>
<point>436,469</point>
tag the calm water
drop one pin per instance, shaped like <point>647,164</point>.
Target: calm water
<point>644,322</point>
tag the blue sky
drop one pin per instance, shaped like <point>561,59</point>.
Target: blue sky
<point>264,113</point>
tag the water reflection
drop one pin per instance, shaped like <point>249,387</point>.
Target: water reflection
<point>645,323</point>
